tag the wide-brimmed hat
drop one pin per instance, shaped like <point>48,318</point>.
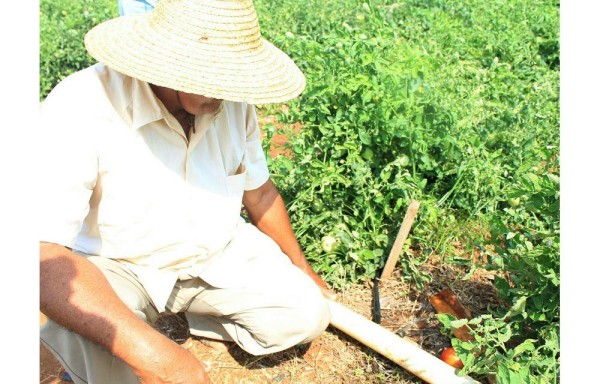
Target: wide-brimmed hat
<point>207,47</point>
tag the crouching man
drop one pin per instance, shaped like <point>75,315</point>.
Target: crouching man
<point>147,159</point>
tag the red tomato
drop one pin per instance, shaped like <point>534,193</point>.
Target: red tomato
<point>449,356</point>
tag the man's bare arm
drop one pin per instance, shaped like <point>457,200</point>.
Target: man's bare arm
<point>75,294</point>
<point>267,211</point>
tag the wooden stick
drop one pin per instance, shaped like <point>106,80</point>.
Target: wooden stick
<point>400,239</point>
<point>403,352</point>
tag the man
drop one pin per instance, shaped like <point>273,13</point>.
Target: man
<point>147,159</point>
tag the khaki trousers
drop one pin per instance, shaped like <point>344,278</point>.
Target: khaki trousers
<point>272,313</point>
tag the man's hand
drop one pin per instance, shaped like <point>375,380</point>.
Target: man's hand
<point>181,368</point>
<point>328,293</point>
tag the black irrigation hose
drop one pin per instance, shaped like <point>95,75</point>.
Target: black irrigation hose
<point>376,303</point>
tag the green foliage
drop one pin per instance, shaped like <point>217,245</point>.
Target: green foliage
<point>521,343</point>
<point>450,102</point>
<point>441,101</point>
<point>63,24</point>
<point>453,103</point>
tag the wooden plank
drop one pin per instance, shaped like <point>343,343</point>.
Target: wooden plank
<point>409,217</point>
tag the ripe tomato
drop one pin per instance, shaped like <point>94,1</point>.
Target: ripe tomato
<point>449,356</point>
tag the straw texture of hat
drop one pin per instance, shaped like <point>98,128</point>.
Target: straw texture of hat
<point>207,47</point>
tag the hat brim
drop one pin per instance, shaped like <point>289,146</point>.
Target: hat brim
<point>260,75</point>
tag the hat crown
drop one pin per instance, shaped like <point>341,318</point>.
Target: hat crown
<point>205,47</point>
<point>210,22</point>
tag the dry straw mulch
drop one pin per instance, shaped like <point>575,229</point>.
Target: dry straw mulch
<point>336,358</point>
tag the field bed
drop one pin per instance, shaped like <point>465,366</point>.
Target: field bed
<point>334,357</point>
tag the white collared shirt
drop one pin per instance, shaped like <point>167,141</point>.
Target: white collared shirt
<point>121,180</point>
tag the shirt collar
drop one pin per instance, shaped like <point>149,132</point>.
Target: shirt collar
<point>145,107</point>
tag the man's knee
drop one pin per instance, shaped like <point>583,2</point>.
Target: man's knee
<point>298,323</point>
<point>127,287</point>
<point>316,317</point>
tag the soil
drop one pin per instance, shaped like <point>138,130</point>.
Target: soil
<point>335,357</point>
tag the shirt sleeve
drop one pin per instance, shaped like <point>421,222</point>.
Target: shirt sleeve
<point>68,169</point>
<point>255,162</point>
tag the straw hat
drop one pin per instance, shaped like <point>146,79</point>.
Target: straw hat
<point>206,47</point>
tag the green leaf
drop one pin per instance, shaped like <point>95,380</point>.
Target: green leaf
<point>503,375</point>
<point>445,319</point>
<point>526,346</point>
<point>518,307</point>
<point>459,323</point>
<point>364,137</point>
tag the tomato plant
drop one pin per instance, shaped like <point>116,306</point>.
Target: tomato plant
<point>63,23</point>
